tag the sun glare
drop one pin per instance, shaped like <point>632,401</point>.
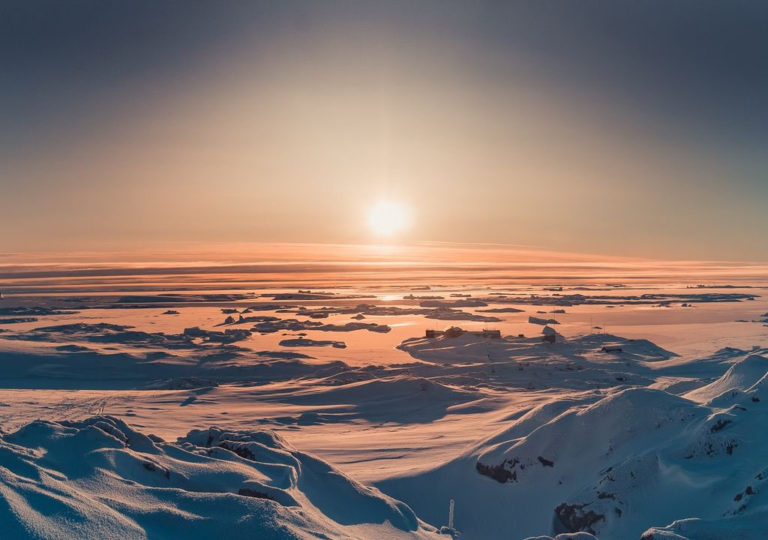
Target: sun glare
<point>388,218</point>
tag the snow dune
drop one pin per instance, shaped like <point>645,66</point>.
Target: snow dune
<point>100,478</point>
<point>614,462</point>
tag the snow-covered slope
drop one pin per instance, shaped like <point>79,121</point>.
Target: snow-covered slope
<point>739,378</point>
<point>616,463</point>
<point>100,478</point>
<point>753,527</point>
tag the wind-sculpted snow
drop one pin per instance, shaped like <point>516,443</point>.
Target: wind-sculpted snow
<point>399,399</point>
<point>725,528</point>
<point>100,478</point>
<point>529,363</point>
<point>564,436</point>
<point>620,463</point>
<point>739,379</point>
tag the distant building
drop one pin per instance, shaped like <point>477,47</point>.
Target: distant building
<point>454,331</point>
<point>549,335</point>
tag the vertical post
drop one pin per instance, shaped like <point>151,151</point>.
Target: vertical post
<point>450,514</point>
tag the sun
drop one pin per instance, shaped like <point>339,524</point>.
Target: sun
<point>388,218</point>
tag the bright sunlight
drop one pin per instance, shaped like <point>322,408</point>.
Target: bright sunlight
<point>388,218</point>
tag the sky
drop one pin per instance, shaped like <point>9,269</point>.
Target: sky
<point>630,129</point>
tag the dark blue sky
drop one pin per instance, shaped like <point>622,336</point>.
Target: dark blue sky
<point>679,87</point>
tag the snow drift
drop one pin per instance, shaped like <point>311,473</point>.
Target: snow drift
<point>100,478</point>
<point>621,463</point>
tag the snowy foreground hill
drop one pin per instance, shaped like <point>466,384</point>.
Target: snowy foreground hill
<point>626,462</point>
<point>619,465</point>
<point>98,478</point>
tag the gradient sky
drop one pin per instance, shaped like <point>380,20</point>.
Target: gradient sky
<point>617,128</point>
